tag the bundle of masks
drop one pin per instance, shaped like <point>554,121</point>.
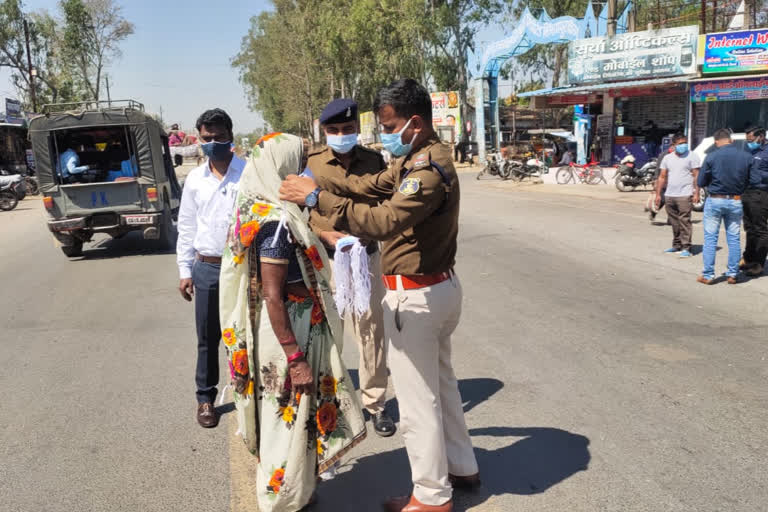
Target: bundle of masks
<point>350,273</point>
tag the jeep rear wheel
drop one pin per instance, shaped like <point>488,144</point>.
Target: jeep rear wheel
<point>74,250</point>
<point>167,231</point>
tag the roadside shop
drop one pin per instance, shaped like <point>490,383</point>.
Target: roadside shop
<point>631,89</point>
<point>733,92</point>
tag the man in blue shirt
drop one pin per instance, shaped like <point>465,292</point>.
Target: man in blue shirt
<point>69,164</point>
<point>755,202</point>
<point>726,171</point>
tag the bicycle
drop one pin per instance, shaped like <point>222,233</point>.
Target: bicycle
<point>590,174</point>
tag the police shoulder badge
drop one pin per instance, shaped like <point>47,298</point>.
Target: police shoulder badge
<point>421,161</point>
<point>410,186</point>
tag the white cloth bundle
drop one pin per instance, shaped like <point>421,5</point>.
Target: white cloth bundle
<point>353,281</point>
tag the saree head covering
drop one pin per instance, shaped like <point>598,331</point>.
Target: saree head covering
<point>293,436</point>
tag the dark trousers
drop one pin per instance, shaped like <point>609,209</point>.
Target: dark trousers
<point>205,277</point>
<point>679,214</point>
<point>755,204</point>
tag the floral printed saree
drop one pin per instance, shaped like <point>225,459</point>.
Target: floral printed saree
<point>294,437</point>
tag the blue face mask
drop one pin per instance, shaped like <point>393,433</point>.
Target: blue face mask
<point>217,150</point>
<point>393,142</point>
<point>753,145</point>
<point>342,144</point>
<point>681,149</point>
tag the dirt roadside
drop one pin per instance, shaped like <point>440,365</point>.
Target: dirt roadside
<point>604,192</point>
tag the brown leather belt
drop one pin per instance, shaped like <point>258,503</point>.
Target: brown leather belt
<point>415,281</point>
<point>209,259</point>
<point>725,196</point>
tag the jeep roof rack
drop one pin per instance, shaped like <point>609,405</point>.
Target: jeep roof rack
<point>97,106</point>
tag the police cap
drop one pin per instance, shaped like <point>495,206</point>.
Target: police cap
<point>339,110</point>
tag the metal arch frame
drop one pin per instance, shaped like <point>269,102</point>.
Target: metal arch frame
<point>530,32</point>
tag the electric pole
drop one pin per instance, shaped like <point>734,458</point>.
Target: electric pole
<point>109,97</point>
<point>611,25</point>
<point>29,66</point>
<point>703,16</point>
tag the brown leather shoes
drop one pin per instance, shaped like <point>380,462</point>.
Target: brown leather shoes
<point>465,483</point>
<point>704,280</point>
<point>206,415</point>
<point>411,504</point>
<point>733,280</point>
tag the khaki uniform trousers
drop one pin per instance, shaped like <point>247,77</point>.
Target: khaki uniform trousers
<point>368,330</point>
<point>418,325</point>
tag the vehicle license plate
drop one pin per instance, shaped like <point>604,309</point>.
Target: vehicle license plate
<point>138,219</point>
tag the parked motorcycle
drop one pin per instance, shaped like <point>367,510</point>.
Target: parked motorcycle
<point>30,180</point>
<point>30,183</point>
<point>628,177</point>
<point>11,191</point>
<point>533,167</point>
<point>496,165</point>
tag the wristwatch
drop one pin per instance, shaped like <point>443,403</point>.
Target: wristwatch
<point>311,199</point>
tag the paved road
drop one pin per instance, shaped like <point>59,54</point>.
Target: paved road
<point>597,375</point>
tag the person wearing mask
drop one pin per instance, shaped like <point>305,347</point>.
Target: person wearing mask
<point>416,220</point>
<point>726,173</point>
<point>679,172</point>
<point>206,208</point>
<point>344,157</point>
<point>755,202</point>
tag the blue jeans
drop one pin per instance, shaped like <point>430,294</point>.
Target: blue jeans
<point>730,212</point>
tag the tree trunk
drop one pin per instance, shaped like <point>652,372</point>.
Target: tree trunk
<point>558,65</point>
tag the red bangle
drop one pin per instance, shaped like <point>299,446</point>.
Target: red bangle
<point>296,356</point>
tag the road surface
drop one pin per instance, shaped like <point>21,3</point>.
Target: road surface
<point>596,373</point>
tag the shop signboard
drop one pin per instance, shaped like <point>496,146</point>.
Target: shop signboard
<point>446,113</point>
<point>13,111</point>
<point>735,52</point>
<point>735,89</point>
<point>633,55</point>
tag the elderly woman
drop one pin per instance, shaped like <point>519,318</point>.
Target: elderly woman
<point>296,406</point>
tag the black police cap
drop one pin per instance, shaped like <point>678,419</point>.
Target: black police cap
<point>339,111</point>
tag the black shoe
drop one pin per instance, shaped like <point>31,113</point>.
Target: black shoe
<point>383,424</point>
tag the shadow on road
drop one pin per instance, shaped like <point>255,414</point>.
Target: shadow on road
<point>132,244</point>
<point>543,458</point>
<point>473,392</point>
<point>226,408</point>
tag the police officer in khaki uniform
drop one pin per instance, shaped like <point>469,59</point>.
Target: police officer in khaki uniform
<point>417,222</point>
<point>342,158</point>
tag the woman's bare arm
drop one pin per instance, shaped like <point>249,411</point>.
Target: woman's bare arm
<point>273,276</point>
<point>273,285</point>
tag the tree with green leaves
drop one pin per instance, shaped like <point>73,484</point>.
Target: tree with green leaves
<point>454,25</point>
<point>299,56</point>
<point>91,37</point>
<point>54,82</point>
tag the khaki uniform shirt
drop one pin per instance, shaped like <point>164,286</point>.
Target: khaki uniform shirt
<point>417,219</point>
<point>328,171</point>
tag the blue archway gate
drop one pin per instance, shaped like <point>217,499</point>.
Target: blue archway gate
<point>529,32</point>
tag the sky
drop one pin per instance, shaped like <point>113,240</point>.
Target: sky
<point>178,58</point>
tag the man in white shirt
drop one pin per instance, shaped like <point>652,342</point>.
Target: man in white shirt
<point>206,209</point>
<point>677,181</point>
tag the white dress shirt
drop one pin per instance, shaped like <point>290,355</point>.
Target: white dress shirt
<point>207,204</point>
